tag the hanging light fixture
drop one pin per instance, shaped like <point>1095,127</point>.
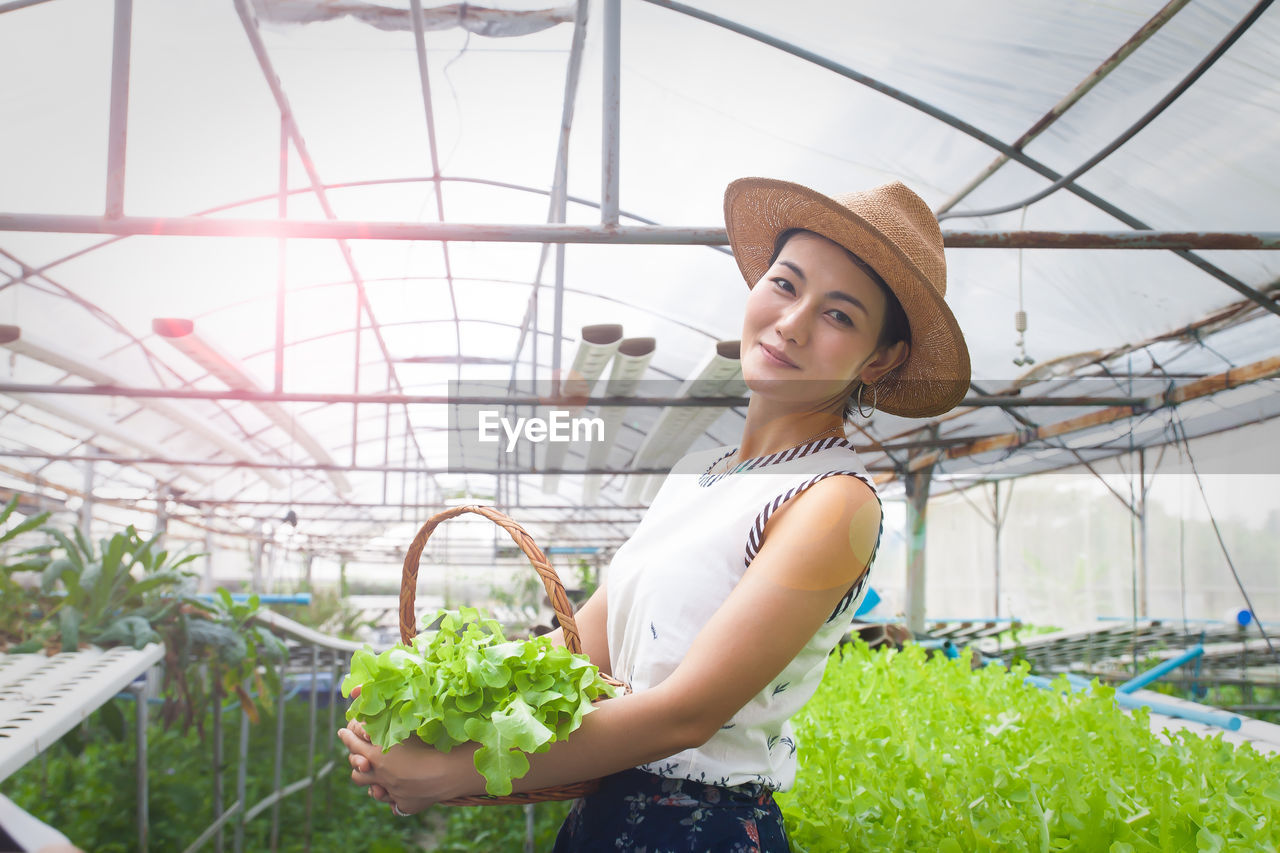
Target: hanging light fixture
<point>596,348</point>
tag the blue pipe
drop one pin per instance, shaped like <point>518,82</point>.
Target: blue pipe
<point>1243,618</point>
<point>973,620</point>
<point>263,598</point>
<point>1140,681</point>
<point>948,648</point>
<point>1124,700</point>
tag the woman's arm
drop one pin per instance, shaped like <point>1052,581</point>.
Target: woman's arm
<point>810,556</point>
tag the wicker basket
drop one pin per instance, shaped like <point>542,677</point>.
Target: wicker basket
<point>559,601</point>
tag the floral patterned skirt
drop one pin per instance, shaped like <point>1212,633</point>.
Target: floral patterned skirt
<point>644,813</point>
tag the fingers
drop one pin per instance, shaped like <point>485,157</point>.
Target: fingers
<point>358,727</point>
<point>361,755</point>
<point>358,746</point>
<point>355,691</point>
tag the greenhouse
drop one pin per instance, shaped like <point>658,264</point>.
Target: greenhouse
<point>368,344</point>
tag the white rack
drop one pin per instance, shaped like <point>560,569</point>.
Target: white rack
<point>42,698</point>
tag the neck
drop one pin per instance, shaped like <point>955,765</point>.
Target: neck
<point>765,433</point>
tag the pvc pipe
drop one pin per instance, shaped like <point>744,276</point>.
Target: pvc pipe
<point>1197,714</point>
<point>1142,680</point>
<point>629,364</point>
<point>1234,618</point>
<point>719,375</point>
<point>263,598</point>
<point>947,647</point>
<point>596,348</point>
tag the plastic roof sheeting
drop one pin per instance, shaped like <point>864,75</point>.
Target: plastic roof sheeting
<point>700,106</point>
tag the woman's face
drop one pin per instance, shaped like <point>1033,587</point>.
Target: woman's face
<point>811,327</point>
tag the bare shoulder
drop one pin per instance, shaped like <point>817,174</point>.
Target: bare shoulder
<point>823,537</point>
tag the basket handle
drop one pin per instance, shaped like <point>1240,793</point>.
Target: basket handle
<point>550,580</point>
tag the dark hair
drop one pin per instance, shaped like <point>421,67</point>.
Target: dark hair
<point>895,326</point>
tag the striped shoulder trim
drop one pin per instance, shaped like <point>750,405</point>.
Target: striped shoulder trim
<point>755,538</point>
<point>800,450</point>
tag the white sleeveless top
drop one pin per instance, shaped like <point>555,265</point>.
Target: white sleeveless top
<point>687,554</point>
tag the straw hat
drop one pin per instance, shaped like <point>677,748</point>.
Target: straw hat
<point>893,230</point>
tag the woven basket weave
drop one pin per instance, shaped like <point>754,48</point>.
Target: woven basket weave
<point>559,602</point>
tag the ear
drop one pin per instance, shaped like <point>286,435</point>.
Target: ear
<point>884,361</point>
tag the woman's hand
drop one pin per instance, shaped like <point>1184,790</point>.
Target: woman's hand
<point>411,776</point>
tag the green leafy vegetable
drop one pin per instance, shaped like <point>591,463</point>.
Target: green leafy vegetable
<point>897,752</point>
<point>467,682</point>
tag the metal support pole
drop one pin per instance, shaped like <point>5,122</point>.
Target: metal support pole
<point>86,508</point>
<point>917,487</point>
<point>242,770</point>
<point>162,516</point>
<point>311,741</point>
<point>282,211</point>
<point>279,762</point>
<point>529,828</point>
<point>206,582</point>
<point>1144,589</point>
<point>557,320</point>
<point>995,527</point>
<point>119,117</point>
<point>217,756</point>
<point>355,409</point>
<point>255,582</point>
<point>336,672</point>
<point>140,720</point>
<point>404,479</point>
<point>386,438</point>
<point>609,201</point>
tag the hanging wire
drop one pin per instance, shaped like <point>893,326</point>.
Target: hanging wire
<point>1185,83</point>
<point>1182,553</point>
<point>1181,429</point>
<point>1020,318</point>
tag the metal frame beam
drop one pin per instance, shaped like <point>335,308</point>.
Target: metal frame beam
<point>655,235</point>
<point>1264,369</point>
<point>118,126</point>
<point>363,469</point>
<point>508,399</point>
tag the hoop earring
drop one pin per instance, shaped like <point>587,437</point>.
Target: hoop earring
<point>875,399</point>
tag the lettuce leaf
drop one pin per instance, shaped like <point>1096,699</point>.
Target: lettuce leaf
<point>464,682</point>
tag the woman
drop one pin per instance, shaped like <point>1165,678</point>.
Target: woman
<point>722,608</point>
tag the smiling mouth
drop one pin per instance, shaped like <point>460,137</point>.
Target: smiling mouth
<point>777,357</point>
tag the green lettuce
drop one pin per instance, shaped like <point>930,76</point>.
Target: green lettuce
<point>899,751</point>
<point>467,682</point>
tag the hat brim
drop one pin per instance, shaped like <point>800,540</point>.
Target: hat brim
<point>935,376</point>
